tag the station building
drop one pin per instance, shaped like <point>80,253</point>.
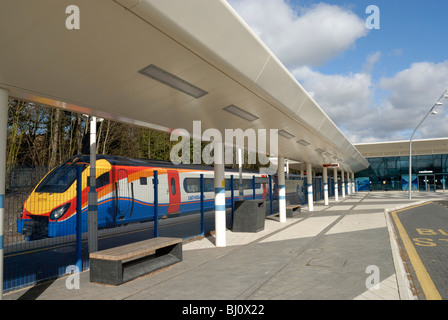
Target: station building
<point>389,165</point>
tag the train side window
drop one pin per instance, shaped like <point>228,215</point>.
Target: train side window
<point>101,181</point>
<point>236,184</point>
<point>209,185</point>
<point>173,186</point>
<point>192,185</point>
<point>143,181</point>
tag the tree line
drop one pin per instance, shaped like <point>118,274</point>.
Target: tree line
<point>41,136</point>
<point>45,136</point>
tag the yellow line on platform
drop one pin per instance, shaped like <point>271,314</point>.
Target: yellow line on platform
<point>428,287</point>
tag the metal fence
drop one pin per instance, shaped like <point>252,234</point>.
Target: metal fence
<point>39,249</point>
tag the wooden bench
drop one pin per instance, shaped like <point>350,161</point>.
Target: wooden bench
<point>118,265</point>
<point>292,210</point>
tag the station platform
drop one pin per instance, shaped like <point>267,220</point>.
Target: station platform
<point>336,252</point>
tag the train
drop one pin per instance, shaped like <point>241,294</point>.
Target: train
<point>125,193</point>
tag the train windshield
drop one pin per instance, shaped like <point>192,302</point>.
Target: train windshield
<point>60,179</point>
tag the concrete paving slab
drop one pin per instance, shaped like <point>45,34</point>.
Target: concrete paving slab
<point>324,254</point>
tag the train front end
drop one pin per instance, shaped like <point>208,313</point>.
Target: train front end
<point>49,209</point>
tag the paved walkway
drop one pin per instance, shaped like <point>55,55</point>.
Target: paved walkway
<point>335,252</point>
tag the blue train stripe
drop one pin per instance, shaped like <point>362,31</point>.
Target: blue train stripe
<point>141,211</point>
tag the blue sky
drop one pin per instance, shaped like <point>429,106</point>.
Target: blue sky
<point>409,31</point>
<point>376,85</point>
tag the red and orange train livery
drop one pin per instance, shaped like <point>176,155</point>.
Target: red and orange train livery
<point>125,193</point>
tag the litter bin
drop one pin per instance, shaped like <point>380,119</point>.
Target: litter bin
<point>249,216</point>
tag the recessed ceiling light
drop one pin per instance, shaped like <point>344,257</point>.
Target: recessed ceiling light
<point>285,134</point>
<point>172,81</point>
<point>303,143</point>
<point>320,150</point>
<point>241,113</point>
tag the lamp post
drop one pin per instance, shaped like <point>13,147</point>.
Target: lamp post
<point>431,111</point>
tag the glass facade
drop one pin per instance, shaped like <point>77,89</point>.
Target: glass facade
<point>392,173</point>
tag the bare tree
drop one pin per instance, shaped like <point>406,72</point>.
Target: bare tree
<point>54,124</point>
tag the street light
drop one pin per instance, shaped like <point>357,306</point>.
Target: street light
<point>431,111</point>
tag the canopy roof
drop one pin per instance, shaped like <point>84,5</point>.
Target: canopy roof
<point>401,148</point>
<point>202,46</point>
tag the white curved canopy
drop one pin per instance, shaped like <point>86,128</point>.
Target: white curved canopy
<point>96,70</point>
<point>401,148</point>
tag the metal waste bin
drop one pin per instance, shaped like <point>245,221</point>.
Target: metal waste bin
<point>249,216</point>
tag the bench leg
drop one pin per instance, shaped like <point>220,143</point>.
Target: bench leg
<point>293,212</point>
<point>174,250</point>
<point>105,271</point>
<point>117,273</point>
<point>162,258</point>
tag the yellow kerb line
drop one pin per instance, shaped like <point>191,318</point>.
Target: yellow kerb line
<point>428,287</point>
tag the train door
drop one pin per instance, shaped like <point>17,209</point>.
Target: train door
<point>124,195</point>
<point>174,191</point>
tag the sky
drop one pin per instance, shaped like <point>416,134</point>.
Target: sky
<point>376,84</point>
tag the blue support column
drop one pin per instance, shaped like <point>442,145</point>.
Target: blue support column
<point>253,187</point>
<point>3,136</point>
<point>79,218</point>
<point>156,204</point>
<point>202,205</point>
<point>92,219</point>
<point>240,175</point>
<point>232,199</point>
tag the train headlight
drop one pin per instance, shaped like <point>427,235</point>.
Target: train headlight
<point>59,211</point>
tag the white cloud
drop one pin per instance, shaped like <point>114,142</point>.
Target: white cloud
<point>412,92</point>
<point>416,85</point>
<point>345,98</point>
<point>366,110</point>
<point>370,63</point>
<point>304,36</point>
<point>407,96</point>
